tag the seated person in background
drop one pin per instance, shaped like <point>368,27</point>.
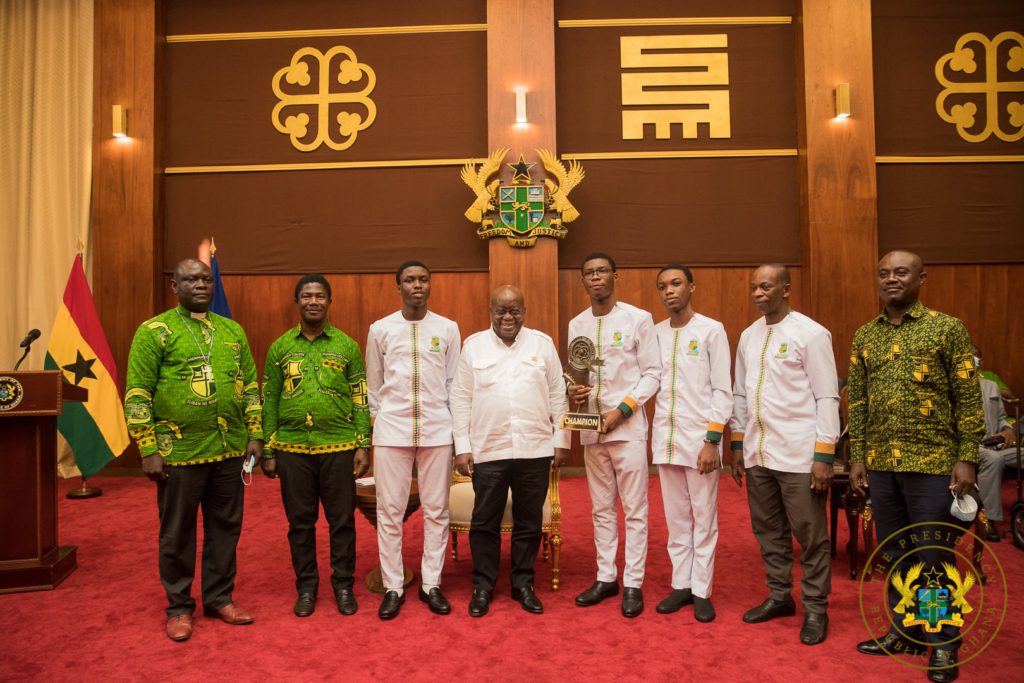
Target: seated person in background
<point>994,455</point>
<point>1004,390</point>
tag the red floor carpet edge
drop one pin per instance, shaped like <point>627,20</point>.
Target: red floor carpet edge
<point>105,622</point>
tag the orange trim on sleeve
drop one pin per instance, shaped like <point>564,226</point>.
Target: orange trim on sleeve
<point>821,447</point>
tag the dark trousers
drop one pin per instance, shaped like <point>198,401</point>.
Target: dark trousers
<point>306,482</point>
<point>528,480</point>
<point>782,505</point>
<point>903,499</point>
<point>217,487</point>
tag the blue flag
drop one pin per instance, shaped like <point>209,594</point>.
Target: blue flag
<point>219,305</point>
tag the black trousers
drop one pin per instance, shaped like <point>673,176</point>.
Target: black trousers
<point>217,488</point>
<point>909,499</point>
<point>306,482</point>
<point>528,481</point>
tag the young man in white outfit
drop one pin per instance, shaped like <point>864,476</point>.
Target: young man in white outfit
<point>692,408</point>
<point>411,358</point>
<point>627,376</point>
<point>786,423</point>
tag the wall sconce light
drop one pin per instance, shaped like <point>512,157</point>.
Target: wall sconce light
<point>120,129</point>
<point>521,105</point>
<point>843,101</point>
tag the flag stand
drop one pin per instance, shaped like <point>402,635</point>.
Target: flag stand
<point>84,492</point>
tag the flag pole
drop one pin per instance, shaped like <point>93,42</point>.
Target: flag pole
<point>84,491</point>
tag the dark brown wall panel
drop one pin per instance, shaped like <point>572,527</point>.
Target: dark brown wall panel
<point>909,37</point>
<point>228,16</point>
<point>952,213</point>
<point>761,103</point>
<point>358,220</point>
<point>707,211</point>
<point>616,9</point>
<point>429,96</point>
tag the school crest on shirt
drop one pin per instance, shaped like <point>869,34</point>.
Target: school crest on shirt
<point>201,382</point>
<point>927,407</point>
<point>693,348</point>
<point>783,351</point>
<point>292,371</point>
<point>616,339</point>
<point>966,369</point>
<point>921,371</point>
<point>435,345</point>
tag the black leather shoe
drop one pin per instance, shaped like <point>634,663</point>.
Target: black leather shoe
<point>942,666</point>
<point>632,602</point>
<point>346,601</point>
<point>703,610</point>
<point>305,605</point>
<point>436,601</point>
<point>675,601</point>
<point>391,605</point>
<point>991,535</point>
<point>596,593</point>
<point>528,599</point>
<point>815,628</point>
<point>890,644</point>
<point>770,609</point>
<point>479,603</point>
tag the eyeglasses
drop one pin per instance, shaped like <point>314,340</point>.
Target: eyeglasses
<point>502,312</point>
<point>602,271</point>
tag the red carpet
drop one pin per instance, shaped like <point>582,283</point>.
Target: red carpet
<point>106,621</point>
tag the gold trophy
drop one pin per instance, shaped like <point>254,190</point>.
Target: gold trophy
<point>582,359</point>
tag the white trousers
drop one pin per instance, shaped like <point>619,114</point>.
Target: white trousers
<point>691,515</point>
<point>619,469</point>
<point>392,474</point>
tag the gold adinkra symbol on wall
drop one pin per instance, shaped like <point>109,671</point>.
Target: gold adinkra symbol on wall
<point>1005,50</point>
<point>340,112</point>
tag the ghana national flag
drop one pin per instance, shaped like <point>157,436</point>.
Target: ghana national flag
<point>95,430</point>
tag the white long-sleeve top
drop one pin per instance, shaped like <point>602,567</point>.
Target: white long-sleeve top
<point>410,365</point>
<point>625,340</point>
<point>507,400</point>
<point>786,394</point>
<point>695,399</point>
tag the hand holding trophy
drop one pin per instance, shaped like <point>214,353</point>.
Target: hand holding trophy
<point>582,359</point>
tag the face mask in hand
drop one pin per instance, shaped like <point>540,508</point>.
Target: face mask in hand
<point>965,509</point>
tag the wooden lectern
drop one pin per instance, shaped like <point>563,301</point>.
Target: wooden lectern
<point>30,558</point>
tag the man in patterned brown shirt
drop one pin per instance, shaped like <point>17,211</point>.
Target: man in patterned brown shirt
<point>915,421</point>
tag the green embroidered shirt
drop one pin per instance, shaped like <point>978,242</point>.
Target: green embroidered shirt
<point>915,402</point>
<point>314,393</point>
<point>176,403</point>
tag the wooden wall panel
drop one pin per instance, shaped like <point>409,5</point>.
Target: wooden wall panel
<point>126,188</point>
<point>838,195</point>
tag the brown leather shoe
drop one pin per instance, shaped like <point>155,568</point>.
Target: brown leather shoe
<point>231,614</point>
<point>179,627</point>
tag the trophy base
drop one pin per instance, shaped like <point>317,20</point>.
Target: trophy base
<point>582,422</point>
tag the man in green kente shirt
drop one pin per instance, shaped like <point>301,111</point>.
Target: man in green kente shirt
<point>317,422</point>
<point>192,403</point>
<point>916,421</point>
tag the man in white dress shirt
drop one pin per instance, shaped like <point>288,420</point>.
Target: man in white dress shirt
<point>628,375</point>
<point>411,356</point>
<point>693,405</point>
<point>506,403</point>
<point>786,424</point>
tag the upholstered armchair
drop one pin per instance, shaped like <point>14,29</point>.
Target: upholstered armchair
<point>460,511</point>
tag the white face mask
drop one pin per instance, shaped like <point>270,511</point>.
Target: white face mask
<point>965,509</point>
<point>247,466</point>
<point>977,362</point>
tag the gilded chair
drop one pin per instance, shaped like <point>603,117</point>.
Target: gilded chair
<point>460,513</point>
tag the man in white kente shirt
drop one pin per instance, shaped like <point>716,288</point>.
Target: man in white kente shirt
<point>411,357</point>
<point>693,405</point>
<point>786,423</point>
<point>507,400</point>
<point>627,376</point>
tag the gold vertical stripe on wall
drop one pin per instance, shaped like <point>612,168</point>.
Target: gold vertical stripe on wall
<point>676,21</point>
<point>325,32</point>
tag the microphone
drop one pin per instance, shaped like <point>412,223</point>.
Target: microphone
<point>32,335</point>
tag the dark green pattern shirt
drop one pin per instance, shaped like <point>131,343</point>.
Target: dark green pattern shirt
<point>915,402</point>
<point>176,403</point>
<point>314,393</point>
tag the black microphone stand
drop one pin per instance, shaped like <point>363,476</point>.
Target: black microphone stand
<point>28,347</point>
